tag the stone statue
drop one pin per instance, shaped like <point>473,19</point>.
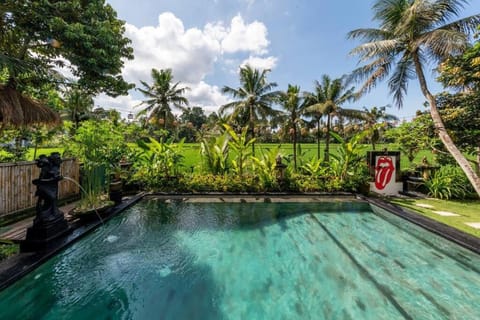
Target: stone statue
<point>47,187</point>
<point>49,222</point>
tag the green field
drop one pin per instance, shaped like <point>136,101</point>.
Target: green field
<point>192,158</point>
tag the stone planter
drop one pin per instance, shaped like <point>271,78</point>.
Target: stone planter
<point>115,191</point>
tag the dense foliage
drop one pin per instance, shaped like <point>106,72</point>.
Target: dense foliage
<point>84,37</point>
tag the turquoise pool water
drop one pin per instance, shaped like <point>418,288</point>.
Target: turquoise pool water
<point>252,261</point>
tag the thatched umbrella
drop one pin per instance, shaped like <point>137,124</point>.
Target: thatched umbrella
<point>19,110</point>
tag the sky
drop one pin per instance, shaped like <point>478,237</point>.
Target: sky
<point>205,42</point>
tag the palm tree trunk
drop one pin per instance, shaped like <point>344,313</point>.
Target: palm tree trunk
<point>318,138</point>
<point>294,146</point>
<point>327,141</point>
<point>478,159</point>
<point>442,132</point>
<point>252,128</point>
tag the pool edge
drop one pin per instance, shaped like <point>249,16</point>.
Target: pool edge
<point>459,237</point>
<point>18,266</point>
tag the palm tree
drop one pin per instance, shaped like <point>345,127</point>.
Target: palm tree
<point>372,117</point>
<point>161,95</point>
<point>326,100</point>
<point>254,97</point>
<point>293,103</point>
<point>78,107</point>
<point>410,34</point>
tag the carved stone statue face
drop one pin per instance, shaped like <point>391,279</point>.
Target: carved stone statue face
<point>43,161</point>
<point>55,158</point>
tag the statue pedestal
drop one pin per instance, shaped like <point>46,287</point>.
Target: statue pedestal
<point>42,233</point>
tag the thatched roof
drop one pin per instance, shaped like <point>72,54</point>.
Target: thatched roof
<point>19,110</point>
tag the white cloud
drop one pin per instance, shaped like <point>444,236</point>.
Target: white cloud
<point>192,55</point>
<point>208,96</point>
<point>246,37</point>
<point>189,53</point>
<point>124,104</point>
<point>260,62</point>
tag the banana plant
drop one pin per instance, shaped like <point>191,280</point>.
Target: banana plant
<point>264,166</point>
<point>160,158</point>
<point>349,155</point>
<point>314,167</point>
<point>241,145</point>
<point>214,151</point>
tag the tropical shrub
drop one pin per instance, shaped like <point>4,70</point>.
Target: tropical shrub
<point>99,145</point>
<point>448,182</point>
<point>157,163</point>
<point>6,156</point>
<point>315,167</point>
<point>222,183</point>
<point>241,145</point>
<point>349,160</point>
<point>214,151</point>
<point>96,143</point>
<point>264,167</point>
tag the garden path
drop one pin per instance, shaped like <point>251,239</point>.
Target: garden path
<point>18,230</point>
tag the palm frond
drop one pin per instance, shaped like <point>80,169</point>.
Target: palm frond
<point>398,83</point>
<point>370,50</point>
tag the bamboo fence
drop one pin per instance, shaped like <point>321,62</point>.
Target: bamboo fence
<point>17,192</point>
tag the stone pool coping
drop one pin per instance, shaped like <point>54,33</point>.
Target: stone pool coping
<point>450,233</point>
<point>16,267</point>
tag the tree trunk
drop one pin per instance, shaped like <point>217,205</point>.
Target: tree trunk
<point>318,139</point>
<point>327,141</point>
<point>252,128</point>
<point>442,132</point>
<point>295,146</point>
<point>478,159</point>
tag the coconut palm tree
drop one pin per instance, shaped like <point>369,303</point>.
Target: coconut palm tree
<point>411,33</point>
<point>78,107</point>
<point>293,104</point>
<point>372,117</point>
<point>161,96</point>
<point>326,100</point>
<point>254,97</point>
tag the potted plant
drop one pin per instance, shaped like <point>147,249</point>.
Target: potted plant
<point>93,200</point>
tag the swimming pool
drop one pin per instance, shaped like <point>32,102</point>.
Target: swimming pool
<point>322,260</point>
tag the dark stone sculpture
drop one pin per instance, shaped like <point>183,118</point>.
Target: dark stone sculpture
<point>49,222</point>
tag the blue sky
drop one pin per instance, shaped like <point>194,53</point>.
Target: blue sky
<point>205,42</point>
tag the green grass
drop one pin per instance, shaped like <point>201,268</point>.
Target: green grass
<point>192,158</point>
<point>469,211</point>
<point>45,151</point>
<point>8,249</point>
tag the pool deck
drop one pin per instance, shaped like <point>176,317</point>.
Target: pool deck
<point>19,265</point>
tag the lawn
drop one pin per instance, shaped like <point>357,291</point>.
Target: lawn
<point>45,151</point>
<point>468,211</point>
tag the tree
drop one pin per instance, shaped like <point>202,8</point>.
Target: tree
<point>410,34</point>
<point>78,106</point>
<point>413,136</point>
<point>293,104</point>
<point>83,36</point>
<point>372,117</point>
<point>463,71</point>
<point>326,100</point>
<point>161,96</point>
<point>461,110</point>
<point>37,36</point>
<point>254,97</point>
<point>195,116</point>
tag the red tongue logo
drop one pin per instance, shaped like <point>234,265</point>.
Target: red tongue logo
<point>383,172</point>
